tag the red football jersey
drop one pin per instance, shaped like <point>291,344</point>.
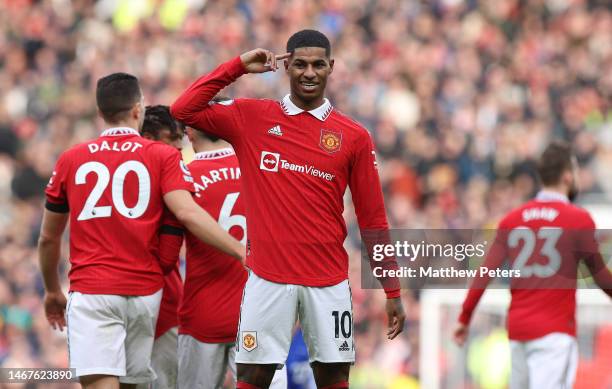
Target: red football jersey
<point>214,281</point>
<point>545,239</point>
<point>171,298</point>
<point>113,187</point>
<point>297,166</point>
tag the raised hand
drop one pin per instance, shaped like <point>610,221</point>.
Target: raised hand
<point>261,60</point>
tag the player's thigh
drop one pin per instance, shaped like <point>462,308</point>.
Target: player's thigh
<point>96,334</point>
<point>279,381</point>
<point>519,375</point>
<point>326,316</point>
<point>142,316</point>
<point>552,361</point>
<point>267,314</point>
<point>202,365</point>
<point>164,360</point>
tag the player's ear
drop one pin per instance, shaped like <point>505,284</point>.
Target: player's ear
<point>286,63</point>
<point>190,135</point>
<point>331,65</point>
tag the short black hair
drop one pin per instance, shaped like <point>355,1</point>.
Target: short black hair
<point>309,38</point>
<point>116,94</point>
<point>158,118</point>
<point>555,160</point>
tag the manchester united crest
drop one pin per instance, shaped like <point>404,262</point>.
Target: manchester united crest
<point>249,340</point>
<point>330,141</point>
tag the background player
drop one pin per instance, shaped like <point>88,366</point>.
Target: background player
<point>298,156</point>
<point>113,189</point>
<point>159,126</point>
<point>551,236</point>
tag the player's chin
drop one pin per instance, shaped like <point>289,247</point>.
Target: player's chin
<point>308,94</point>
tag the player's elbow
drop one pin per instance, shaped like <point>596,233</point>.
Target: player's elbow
<point>186,215</point>
<point>178,113</point>
<point>47,240</point>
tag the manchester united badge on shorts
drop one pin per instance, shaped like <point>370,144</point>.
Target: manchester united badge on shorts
<point>249,340</point>
<point>330,141</point>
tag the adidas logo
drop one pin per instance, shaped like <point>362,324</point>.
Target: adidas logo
<point>276,130</point>
<point>344,347</point>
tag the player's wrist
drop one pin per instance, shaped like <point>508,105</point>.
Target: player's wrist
<point>237,67</point>
<point>393,294</point>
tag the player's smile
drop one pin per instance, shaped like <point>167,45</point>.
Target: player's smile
<point>309,86</point>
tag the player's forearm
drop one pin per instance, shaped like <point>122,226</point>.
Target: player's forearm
<point>205,228</point>
<point>470,303</point>
<point>49,255</point>
<point>201,92</point>
<point>170,242</point>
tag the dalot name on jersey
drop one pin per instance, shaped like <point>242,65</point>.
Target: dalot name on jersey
<point>217,175</point>
<point>114,146</point>
<point>540,213</point>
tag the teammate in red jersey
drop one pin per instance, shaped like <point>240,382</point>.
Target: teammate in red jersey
<point>214,281</point>
<point>113,190</point>
<point>297,157</point>
<point>160,126</point>
<point>545,239</point>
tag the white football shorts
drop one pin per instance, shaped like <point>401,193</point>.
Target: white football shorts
<point>164,361</point>
<point>549,362</point>
<point>204,365</point>
<point>112,335</point>
<point>270,310</point>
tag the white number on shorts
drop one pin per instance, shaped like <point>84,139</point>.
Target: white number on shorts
<point>227,220</point>
<point>91,211</point>
<point>551,236</point>
<point>343,323</point>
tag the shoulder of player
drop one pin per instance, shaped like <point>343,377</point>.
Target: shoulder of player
<point>579,216</point>
<point>349,127</point>
<point>249,103</point>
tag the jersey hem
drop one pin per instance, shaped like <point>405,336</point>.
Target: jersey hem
<point>118,291</point>
<point>540,335</point>
<point>207,339</point>
<point>316,282</point>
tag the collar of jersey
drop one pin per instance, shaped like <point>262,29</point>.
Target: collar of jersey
<point>547,195</point>
<point>321,112</point>
<point>214,154</point>
<point>119,131</point>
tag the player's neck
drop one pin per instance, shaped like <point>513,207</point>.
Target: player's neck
<point>122,124</point>
<point>307,105</point>
<point>200,147</point>
<point>558,189</point>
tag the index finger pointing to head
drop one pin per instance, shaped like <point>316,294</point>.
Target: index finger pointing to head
<point>283,56</point>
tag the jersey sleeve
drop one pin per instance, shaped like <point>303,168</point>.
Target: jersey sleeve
<point>170,242</point>
<point>370,206</point>
<point>56,198</point>
<point>194,108</point>
<point>589,252</point>
<point>495,257</point>
<point>175,175</point>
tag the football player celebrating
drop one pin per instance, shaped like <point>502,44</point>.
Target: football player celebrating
<point>113,189</point>
<point>545,240</point>
<point>298,156</point>
<point>214,281</point>
<point>160,126</point>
